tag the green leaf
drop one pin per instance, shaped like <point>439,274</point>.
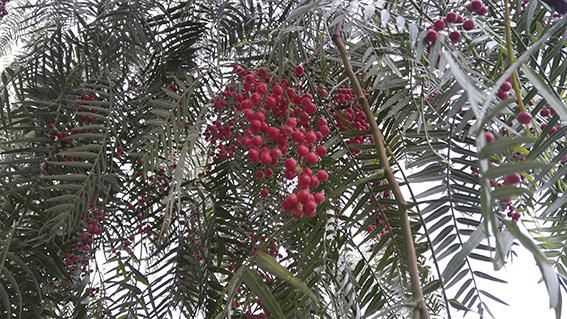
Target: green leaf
<point>255,283</point>
<point>502,144</point>
<point>458,260</point>
<point>544,89</point>
<point>506,169</point>
<point>269,264</point>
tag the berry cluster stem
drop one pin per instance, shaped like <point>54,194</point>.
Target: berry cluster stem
<point>420,310</point>
<point>511,57</point>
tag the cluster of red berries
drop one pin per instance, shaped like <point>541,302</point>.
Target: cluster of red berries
<point>78,259</point>
<point>160,181</point>
<point>3,11</point>
<point>432,34</point>
<point>273,122</point>
<point>86,117</point>
<point>349,116</point>
<point>545,113</point>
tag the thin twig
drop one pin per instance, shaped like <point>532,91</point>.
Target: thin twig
<point>420,310</point>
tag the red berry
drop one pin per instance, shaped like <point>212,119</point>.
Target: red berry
<point>314,181</point>
<point>468,25</point>
<point>303,195</point>
<point>298,71</point>
<point>322,175</point>
<point>503,95</point>
<point>254,155</point>
<point>512,179</point>
<point>323,93</point>
<point>264,192</point>
<point>321,150</point>
<point>489,137</point>
<point>545,112</point>
<point>289,174</point>
<point>459,19</point>
<point>482,11</point>
<point>290,202</point>
<point>311,158</point>
<point>506,86</point>
<point>291,122</point>
<point>455,36</point>
<point>302,150</point>
<point>439,25</point>
<point>265,157</point>
<point>268,173</point>
<point>474,5</point>
<point>259,175</point>
<point>304,180</point>
<point>524,118</point>
<point>290,164</point>
<point>325,130</point>
<point>309,208</point>
<point>277,90</point>
<point>310,137</point>
<point>276,153</point>
<point>257,140</point>
<point>452,17</point>
<point>271,102</point>
<point>319,197</point>
<point>262,89</point>
<point>431,35</point>
<point>297,137</point>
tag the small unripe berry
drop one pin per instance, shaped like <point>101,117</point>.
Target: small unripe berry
<point>468,25</point>
<point>524,118</point>
<point>264,192</point>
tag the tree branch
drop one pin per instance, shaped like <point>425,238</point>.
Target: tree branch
<point>420,310</point>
